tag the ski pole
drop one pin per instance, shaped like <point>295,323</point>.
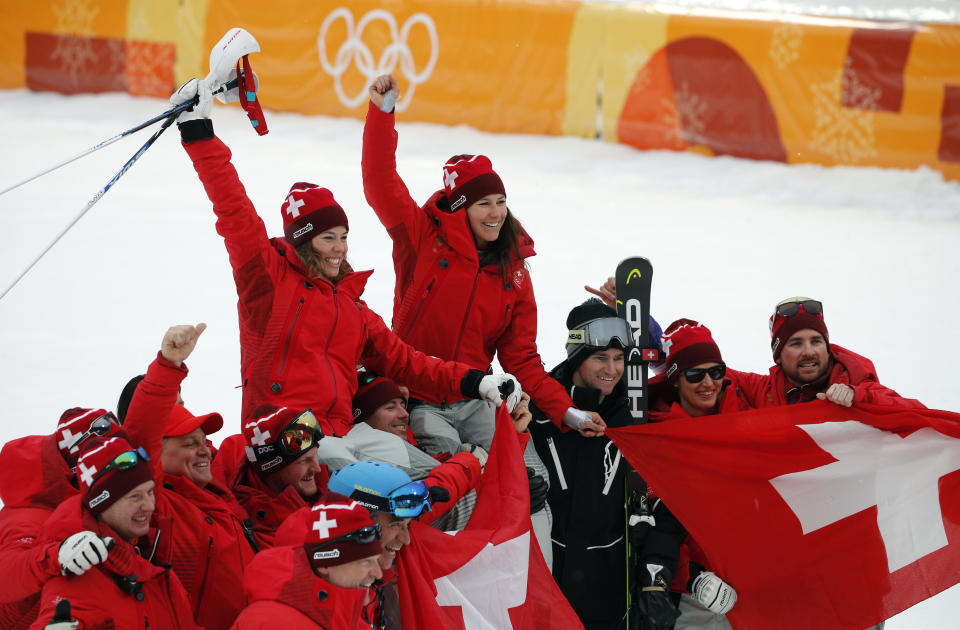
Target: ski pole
<point>170,112</point>
<point>97,197</point>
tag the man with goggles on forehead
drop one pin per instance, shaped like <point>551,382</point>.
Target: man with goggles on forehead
<point>809,367</point>
<point>394,502</point>
<point>320,573</point>
<point>39,474</point>
<point>207,540</point>
<point>116,503</point>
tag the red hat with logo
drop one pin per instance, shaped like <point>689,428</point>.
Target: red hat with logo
<point>467,178</point>
<point>688,343</point>
<point>269,446</point>
<point>782,327</point>
<point>73,424</point>
<point>181,422</point>
<point>308,210</point>
<point>373,392</point>
<point>335,531</point>
<point>101,490</point>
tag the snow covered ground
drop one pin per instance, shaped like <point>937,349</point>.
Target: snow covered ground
<point>728,238</point>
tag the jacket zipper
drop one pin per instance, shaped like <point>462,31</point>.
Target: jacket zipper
<point>556,463</point>
<point>326,348</point>
<point>416,311</point>
<point>466,315</point>
<point>289,339</point>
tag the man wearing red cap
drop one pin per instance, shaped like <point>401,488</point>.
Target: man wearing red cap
<point>207,543</point>
<point>320,574</point>
<point>38,475</point>
<point>809,367</point>
<point>116,503</point>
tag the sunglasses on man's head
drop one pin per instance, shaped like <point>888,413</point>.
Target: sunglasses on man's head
<point>124,461</point>
<point>791,306</point>
<point>695,375</point>
<point>101,426</point>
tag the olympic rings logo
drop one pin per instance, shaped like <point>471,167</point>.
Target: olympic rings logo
<point>354,50</point>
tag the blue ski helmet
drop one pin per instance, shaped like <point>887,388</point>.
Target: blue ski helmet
<point>381,488</point>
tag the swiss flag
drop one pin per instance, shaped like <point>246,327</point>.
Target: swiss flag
<point>491,574</point>
<point>820,516</point>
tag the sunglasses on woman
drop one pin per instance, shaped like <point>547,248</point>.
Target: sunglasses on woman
<point>695,375</point>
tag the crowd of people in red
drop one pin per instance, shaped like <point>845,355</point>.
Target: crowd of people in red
<point>351,429</point>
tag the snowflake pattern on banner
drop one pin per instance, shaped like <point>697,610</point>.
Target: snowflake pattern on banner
<point>74,18</point>
<point>845,134</point>
<point>149,68</point>
<point>690,110</point>
<point>785,44</point>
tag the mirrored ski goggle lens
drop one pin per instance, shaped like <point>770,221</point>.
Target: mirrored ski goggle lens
<point>301,434</point>
<point>601,332</point>
<point>410,500</point>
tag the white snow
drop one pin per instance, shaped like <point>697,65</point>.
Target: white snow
<point>728,238</point>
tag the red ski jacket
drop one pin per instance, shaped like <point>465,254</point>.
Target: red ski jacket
<point>301,338</point>
<point>206,545</point>
<point>444,303</point>
<point>96,599</point>
<point>849,368</point>
<point>34,481</point>
<point>283,592</point>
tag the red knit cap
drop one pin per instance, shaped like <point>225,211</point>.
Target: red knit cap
<point>309,210</point>
<point>687,344</point>
<point>371,395</point>
<point>467,178</point>
<point>332,517</point>
<point>782,328</point>
<point>262,436</point>
<point>73,424</point>
<point>108,489</point>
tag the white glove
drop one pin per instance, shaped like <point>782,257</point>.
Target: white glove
<point>477,451</point>
<point>715,594</point>
<point>187,91</point>
<point>81,551</point>
<point>574,417</point>
<point>493,386</point>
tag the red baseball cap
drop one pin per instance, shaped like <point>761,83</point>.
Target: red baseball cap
<point>181,422</point>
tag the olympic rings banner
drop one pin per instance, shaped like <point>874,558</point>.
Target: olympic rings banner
<point>765,86</point>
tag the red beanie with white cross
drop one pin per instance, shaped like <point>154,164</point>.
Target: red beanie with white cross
<point>467,178</point>
<point>688,343</point>
<point>309,210</point>
<point>334,516</point>
<point>262,435</point>
<point>73,424</point>
<point>100,492</point>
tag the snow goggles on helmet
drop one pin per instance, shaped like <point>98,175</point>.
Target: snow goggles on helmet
<point>320,558</point>
<point>791,306</point>
<point>300,434</point>
<point>600,333</point>
<point>410,500</point>
<point>123,461</point>
<point>695,375</point>
<point>101,426</point>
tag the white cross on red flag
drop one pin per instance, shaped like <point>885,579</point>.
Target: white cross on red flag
<point>491,574</point>
<point>820,516</point>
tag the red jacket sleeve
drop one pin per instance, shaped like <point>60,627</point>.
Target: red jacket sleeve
<point>150,406</point>
<point>876,394</point>
<point>238,223</point>
<point>428,378</point>
<point>517,352</point>
<point>26,563</point>
<point>458,476</point>
<point>386,193</point>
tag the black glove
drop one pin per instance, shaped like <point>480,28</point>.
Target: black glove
<point>538,491</point>
<point>61,618</point>
<point>655,604</point>
<point>438,494</point>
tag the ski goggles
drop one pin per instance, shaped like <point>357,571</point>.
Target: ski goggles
<point>791,306</point>
<point>410,500</point>
<point>301,434</point>
<point>101,426</point>
<point>600,333</point>
<point>123,461</point>
<point>695,375</point>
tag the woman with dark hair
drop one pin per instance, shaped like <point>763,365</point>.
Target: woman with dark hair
<point>463,291</point>
<point>303,327</point>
